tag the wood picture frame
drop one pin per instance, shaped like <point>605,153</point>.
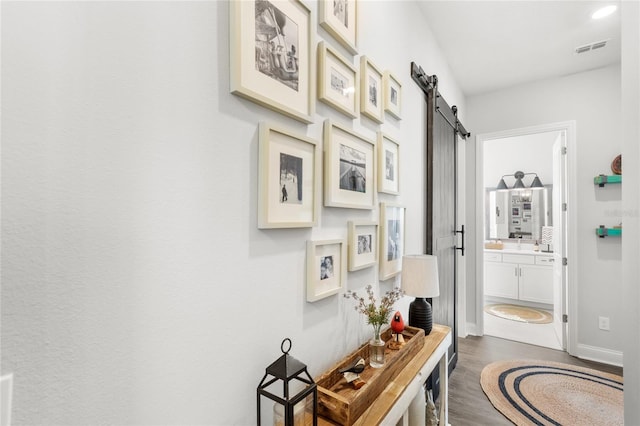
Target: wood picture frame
<point>326,268</point>
<point>338,84</point>
<point>392,95</point>
<point>392,218</point>
<point>289,179</point>
<point>362,244</point>
<point>349,168</point>
<point>371,91</point>
<point>340,19</point>
<point>272,63</point>
<point>388,164</point>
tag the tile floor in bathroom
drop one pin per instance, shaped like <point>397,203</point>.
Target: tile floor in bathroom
<point>535,334</point>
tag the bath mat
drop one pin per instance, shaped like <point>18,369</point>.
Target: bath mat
<point>519,313</point>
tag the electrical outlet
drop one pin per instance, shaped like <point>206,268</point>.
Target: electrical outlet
<point>603,323</point>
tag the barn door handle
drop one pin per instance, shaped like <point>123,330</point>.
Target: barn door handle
<point>461,232</point>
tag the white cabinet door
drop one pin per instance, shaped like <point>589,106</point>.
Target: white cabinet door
<point>501,280</point>
<point>536,283</point>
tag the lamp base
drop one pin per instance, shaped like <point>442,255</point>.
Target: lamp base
<point>421,315</point>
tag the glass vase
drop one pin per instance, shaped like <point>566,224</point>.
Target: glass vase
<point>376,348</point>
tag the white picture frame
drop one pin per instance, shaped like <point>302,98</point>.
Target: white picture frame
<point>388,164</point>
<point>362,244</point>
<point>326,268</point>
<point>276,72</point>
<point>289,178</point>
<point>338,83</point>
<point>392,95</point>
<point>392,237</point>
<point>371,91</point>
<point>340,19</point>
<point>349,168</point>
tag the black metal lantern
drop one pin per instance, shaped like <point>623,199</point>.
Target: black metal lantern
<point>292,389</point>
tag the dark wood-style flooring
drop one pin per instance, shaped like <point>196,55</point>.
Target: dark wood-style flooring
<point>468,405</point>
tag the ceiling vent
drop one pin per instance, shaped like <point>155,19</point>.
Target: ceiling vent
<point>591,46</point>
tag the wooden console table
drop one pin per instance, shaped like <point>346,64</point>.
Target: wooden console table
<point>393,403</point>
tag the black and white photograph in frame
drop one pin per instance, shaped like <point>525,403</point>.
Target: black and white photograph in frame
<point>337,81</point>
<point>349,168</point>
<point>339,18</point>
<point>353,169</point>
<point>394,239</point>
<point>392,95</point>
<point>392,217</point>
<point>388,164</point>
<point>363,244</point>
<point>373,88</point>
<point>276,44</point>
<point>291,175</point>
<point>271,55</point>
<point>340,11</point>
<point>289,182</point>
<point>371,104</point>
<point>326,268</point>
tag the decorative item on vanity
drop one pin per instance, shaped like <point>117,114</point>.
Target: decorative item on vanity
<point>377,316</point>
<point>291,388</point>
<point>494,245</point>
<point>547,239</point>
<point>420,279</point>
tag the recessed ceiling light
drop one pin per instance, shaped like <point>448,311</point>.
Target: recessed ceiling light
<point>605,11</point>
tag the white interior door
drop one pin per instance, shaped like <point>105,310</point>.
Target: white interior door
<point>559,238</point>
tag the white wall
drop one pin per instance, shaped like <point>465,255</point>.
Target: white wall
<point>529,154</point>
<point>136,287</point>
<point>593,100</point>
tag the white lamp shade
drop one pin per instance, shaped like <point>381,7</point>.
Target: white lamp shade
<point>420,275</point>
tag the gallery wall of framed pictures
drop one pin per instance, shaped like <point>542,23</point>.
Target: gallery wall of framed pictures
<point>279,62</point>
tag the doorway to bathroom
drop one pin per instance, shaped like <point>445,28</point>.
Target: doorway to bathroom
<point>522,235</point>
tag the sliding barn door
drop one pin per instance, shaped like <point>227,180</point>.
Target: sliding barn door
<point>441,213</point>
<point>442,231</point>
<point>441,221</point>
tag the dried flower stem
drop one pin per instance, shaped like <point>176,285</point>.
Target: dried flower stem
<point>377,316</point>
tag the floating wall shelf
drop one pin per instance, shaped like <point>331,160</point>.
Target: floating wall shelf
<point>608,232</point>
<point>602,179</point>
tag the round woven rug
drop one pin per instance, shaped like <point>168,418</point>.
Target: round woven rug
<point>519,313</point>
<point>530,392</point>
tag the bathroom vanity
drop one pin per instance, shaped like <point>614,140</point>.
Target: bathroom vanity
<point>524,275</point>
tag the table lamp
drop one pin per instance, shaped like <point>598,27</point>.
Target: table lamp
<point>420,279</point>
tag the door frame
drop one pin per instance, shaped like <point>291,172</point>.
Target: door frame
<point>569,127</point>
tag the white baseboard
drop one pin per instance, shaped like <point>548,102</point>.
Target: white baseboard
<point>471,329</point>
<point>6,391</point>
<point>594,353</point>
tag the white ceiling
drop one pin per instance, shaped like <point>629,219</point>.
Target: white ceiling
<point>495,44</point>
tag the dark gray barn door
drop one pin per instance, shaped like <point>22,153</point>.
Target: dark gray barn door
<point>441,240</point>
<point>441,213</point>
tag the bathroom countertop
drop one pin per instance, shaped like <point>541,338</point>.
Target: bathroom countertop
<point>523,250</point>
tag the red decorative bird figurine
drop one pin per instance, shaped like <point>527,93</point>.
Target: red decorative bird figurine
<point>397,323</point>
